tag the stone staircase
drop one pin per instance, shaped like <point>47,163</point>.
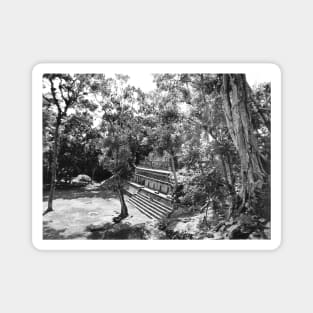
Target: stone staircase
<point>150,207</point>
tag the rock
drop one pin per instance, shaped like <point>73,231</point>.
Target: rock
<point>222,228</point>
<point>189,226</point>
<point>81,180</point>
<point>125,231</point>
<point>236,232</point>
<point>245,219</point>
<point>153,232</point>
<point>267,230</point>
<point>98,227</point>
<point>255,235</point>
<point>218,236</point>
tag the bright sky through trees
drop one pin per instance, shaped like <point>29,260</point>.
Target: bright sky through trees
<point>145,80</point>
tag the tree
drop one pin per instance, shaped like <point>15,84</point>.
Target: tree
<point>60,93</point>
<point>229,125</point>
<point>170,127</point>
<point>237,122</point>
<point>169,136</point>
<point>79,150</point>
<point>237,108</point>
<point>119,129</point>
<point>207,149</point>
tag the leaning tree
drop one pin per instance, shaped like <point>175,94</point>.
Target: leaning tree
<point>119,129</point>
<point>61,92</point>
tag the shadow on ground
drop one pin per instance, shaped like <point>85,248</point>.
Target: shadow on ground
<point>50,233</point>
<point>82,192</point>
<point>125,231</point>
<point>108,231</point>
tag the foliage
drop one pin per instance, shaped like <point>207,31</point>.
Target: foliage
<point>108,126</point>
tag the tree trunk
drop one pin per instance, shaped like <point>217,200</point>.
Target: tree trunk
<point>174,197</point>
<point>124,210</point>
<point>229,169</point>
<point>224,169</point>
<point>54,165</point>
<point>173,170</point>
<point>238,118</point>
<point>93,171</point>
<point>229,182</point>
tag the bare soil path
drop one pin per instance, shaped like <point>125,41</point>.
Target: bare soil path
<point>75,209</point>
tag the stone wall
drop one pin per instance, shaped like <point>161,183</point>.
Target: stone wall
<point>159,182</point>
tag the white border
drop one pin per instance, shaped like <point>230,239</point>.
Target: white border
<point>271,70</point>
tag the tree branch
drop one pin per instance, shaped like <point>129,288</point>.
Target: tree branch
<point>56,101</point>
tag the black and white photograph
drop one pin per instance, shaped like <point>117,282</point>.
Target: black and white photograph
<point>156,156</point>
<point>144,155</point>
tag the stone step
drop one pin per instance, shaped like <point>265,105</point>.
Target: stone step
<point>149,211</point>
<point>168,208</point>
<point>143,208</point>
<point>152,207</point>
<point>155,204</point>
<point>143,211</point>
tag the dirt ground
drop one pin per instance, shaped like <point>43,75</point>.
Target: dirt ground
<point>75,209</point>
